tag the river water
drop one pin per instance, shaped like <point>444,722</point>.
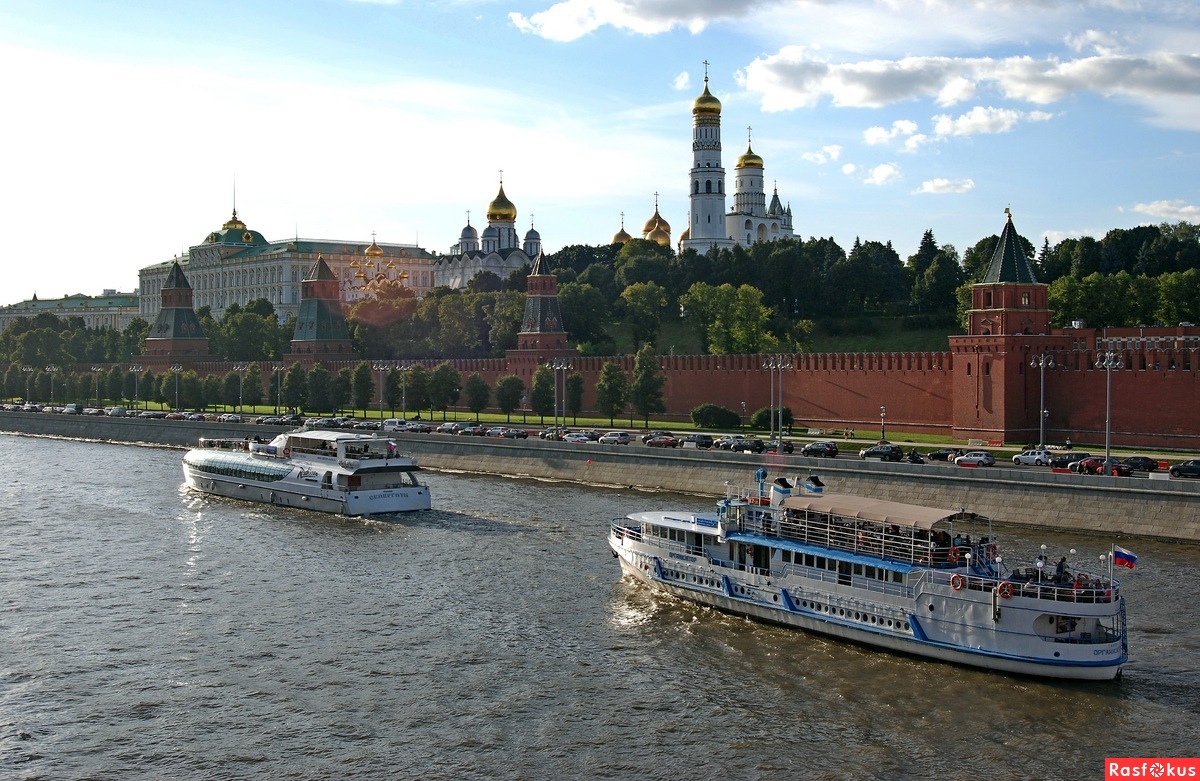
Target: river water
<point>148,633</point>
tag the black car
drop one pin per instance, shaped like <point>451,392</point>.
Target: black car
<point>944,454</point>
<point>774,446</point>
<point>882,452</point>
<point>820,450</point>
<point>699,441</point>
<point>1186,469</point>
<point>748,446</point>
<point>1065,460</point>
<point>1141,463</point>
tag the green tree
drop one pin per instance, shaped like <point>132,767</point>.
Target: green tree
<point>573,388</point>
<point>295,387</point>
<point>509,390</point>
<point>231,389</point>
<point>341,389</point>
<point>478,394</point>
<point>418,387</point>
<point>319,393</point>
<point>445,384</point>
<point>612,388</point>
<point>541,398</point>
<point>646,388</point>
<point>363,385</point>
<point>584,307</point>
<point>395,389</point>
<point>645,304</point>
<point>252,385</point>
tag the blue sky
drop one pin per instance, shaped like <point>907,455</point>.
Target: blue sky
<point>127,123</point>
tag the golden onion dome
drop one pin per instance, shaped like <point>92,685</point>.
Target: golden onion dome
<point>687,234</point>
<point>706,103</point>
<point>656,221</point>
<point>373,251</point>
<point>749,160</point>
<point>659,236</point>
<point>621,236</point>
<point>501,209</point>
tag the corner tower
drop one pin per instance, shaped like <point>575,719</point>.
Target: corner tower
<point>176,332</point>
<point>706,226</point>
<point>321,325</point>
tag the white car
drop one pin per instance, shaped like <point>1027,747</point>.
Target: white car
<point>578,439</point>
<point>1034,457</point>
<point>976,458</point>
<point>615,438</point>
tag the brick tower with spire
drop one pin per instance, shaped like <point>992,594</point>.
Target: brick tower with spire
<point>321,325</point>
<point>176,333</point>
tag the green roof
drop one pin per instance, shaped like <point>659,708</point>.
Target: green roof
<point>1008,263</point>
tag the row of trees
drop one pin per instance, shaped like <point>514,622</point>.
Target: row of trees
<point>400,388</point>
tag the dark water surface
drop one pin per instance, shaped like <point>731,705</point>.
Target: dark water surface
<point>149,633</point>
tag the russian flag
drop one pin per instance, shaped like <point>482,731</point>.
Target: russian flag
<point>1124,558</point>
<point>391,449</point>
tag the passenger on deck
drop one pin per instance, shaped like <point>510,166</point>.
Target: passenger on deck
<point>1060,570</point>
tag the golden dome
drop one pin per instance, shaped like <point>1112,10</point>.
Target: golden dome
<point>706,103</point>
<point>501,209</point>
<point>749,160</point>
<point>655,221</point>
<point>621,236</point>
<point>373,251</point>
<point>687,234</point>
<point>659,236</point>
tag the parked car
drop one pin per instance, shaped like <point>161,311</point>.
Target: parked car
<point>946,454</point>
<point>1032,457</point>
<point>780,446</point>
<point>1064,460</point>
<point>820,449</point>
<point>975,458</point>
<point>495,431</point>
<point>882,452</point>
<point>1097,465</point>
<point>474,430</point>
<point>1142,463</point>
<point>652,434</point>
<point>576,438</point>
<point>228,417</point>
<point>615,438</point>
<point>554,432</point>
<point>515,433</point>
<point>446,428</point>
<point>698,441</point>
<point>726,442</point>
<point>662,440</point>
<point>417,427</point>
<point>1186,469</point>
<point>394,424</point>
<point>367,425</point>
<point>748,446</point>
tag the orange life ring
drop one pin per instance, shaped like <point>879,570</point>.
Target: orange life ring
<point>954,554</point>
<point>957,582</point>
<point>287,452</point>
<point>1005,589</point>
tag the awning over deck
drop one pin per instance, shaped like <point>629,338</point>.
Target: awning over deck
<point>876,510</point>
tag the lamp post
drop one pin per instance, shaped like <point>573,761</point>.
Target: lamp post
<point>177,368</point>
<point>136,371</point>
<point>52,370</point>
<point>380,367</point>
<point>28,376</point>
<point>559,365</point>
<point>882,422</point>
<point>1042,362</point>
<point>404,391</point>
<point>777,364</point>
<point>1108,361</point>
<point>96,376</point>
<point>742,419</point>
<point>278,387</point>
<point>240,368</point>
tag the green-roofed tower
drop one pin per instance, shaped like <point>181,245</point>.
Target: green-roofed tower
<point>321,324</point>
<point>1009,300</point>
<point>176,332</point>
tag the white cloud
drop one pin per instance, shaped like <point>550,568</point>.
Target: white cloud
<point>881,135</point>
<point>884,173</point>
<point>682,81</point>
<point>1169,210</point>
<point>977,120</point>
<point>1093,40</point>
<point>943,186</point>
<point>570,20</point>
<point>826,154</point>
<point>849,168</point>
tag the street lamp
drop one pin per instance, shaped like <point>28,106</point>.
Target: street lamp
<point>241,370</point>
<point>1042,362</point>
<point>177,368</point>
<point>777,363</point>
<point>742,419</point>
<point>278,386</point>
<point>404,391</point>
<point>380,367</point>
<point>52,369</point>
<point>1108,361</point>
<point>96,374</point>
<point>882,422</point>
<point>559,365</point>
<point>136,371</point>
<point>28,376</point>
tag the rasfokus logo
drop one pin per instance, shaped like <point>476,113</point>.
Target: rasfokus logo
<point>1145,767</point>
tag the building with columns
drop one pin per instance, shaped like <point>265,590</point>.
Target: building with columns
<point>495,249</point>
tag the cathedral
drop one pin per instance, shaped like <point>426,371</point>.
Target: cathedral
<point>495,249</point>
<point>709,225</point>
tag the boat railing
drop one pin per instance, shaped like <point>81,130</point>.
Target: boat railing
<point>887,587</point>
<point>1093,591</point>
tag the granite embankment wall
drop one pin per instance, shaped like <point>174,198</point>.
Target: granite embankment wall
<point>1167,509</point>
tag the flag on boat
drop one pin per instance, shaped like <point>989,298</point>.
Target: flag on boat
<point>391,448</point>
<point>1124,558</point>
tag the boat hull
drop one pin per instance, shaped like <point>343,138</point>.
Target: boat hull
<point>878,627</point>
<point>311,496</point>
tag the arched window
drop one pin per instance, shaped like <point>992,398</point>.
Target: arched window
<point>748,225</point>
<point>708,185</point>
<point>696,187</point>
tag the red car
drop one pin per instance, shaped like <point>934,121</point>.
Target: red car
<point>1096,466</point>
<point>662,440</point>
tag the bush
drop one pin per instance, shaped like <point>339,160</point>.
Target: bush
<point>712,416</point>
<point>762,418</point>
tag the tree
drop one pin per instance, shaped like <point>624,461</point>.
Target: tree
<point>611,390</point>
<point>584,307</point>
<point>645,304</point>
<point>573,388</point>
<point>417,378</point>
<point>231,388</point>
<point>252,386</point>
<point>363,386</point>
<point>509,390</point>
<point>295,387</point>
<point>395,389</point>
<point>478,394</point>
<point>318,395</point>
<point>444,386</point>
<point>646,387</point>
<point>542,397</point>
<point>341,389</point>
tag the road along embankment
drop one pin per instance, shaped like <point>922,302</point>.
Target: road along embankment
<point>1128,507</point>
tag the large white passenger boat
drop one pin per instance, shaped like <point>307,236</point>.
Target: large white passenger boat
<point>900,577</point>
<point>330,471</point>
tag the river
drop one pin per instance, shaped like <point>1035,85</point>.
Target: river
<point>149,633</point>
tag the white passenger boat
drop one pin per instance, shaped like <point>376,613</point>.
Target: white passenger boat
<point>329,471</point>
<point>900,577</point>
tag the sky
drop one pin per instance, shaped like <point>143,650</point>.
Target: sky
<point>131,128</point>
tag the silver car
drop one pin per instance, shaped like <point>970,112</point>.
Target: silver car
<point>1034,457</point>
<point>615,438</point>
<point>976,458</point>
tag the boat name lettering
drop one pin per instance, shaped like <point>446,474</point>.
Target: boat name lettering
<point>375,497</point>
<point>1108,652</point>
<point>681,557</point>
<point>709,522</point>
<point>307,474</point>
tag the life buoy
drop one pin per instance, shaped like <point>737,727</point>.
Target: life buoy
<point>1005,589</point>
<point>954,555</point>
<point>957,582</point>
<point>287,452</point>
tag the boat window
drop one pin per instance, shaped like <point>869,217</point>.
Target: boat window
<point>858,569</point>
